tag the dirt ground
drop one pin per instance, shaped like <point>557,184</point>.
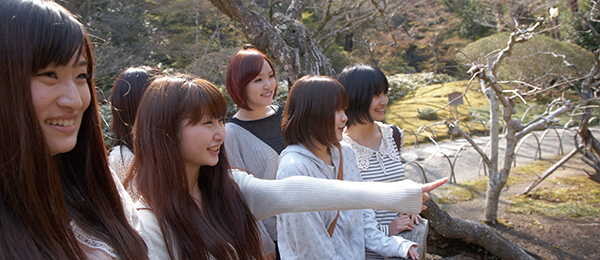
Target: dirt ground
<point>548,237</point>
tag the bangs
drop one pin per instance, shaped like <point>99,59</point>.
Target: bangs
<point>341,99</point>
<point>250,65</point>
<point>199,98</point>
<point>57,37</point>
<point>381,86</point>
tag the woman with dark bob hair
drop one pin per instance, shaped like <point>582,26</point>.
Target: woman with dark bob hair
<point>313,125</point>
<point>194,206</point>
<point>377,156</point>
<point>254,137</point>
<point>125,98</point>
<point>58,198</point>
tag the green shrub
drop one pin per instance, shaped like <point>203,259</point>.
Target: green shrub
<point>578,32</point>
<point>403,84</point>
<point>427,114</point>
<point>531,61</point>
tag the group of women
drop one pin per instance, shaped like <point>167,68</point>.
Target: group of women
<point>59,198</point>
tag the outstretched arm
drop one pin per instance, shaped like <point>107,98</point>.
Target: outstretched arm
<point>298,194</point>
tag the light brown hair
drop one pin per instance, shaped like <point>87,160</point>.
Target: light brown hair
<point>225,228</point>
<point>309,113</point>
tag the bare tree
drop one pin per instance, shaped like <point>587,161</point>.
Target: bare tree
<point>587,85</point>
<point>294,46</point>
<point>485,74</point>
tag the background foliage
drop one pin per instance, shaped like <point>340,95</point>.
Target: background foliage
<point>415,42</point>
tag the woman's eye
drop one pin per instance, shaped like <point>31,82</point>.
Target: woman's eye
<point>83,76</point>
<point>271,76</point>
<point>49,74</point>
<point>257,80</point>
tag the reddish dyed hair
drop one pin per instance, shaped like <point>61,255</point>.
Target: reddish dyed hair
<point>243,68</point>
<point>224,228</point>
<point>309,113</point>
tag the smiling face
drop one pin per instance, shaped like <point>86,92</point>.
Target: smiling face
<point>260,91</point>
<point>200,143</point>
<point>377,108</point>
<point>60,96</point>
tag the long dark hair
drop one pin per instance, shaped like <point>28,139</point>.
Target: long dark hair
<point>41,194</point>
<point>125,97</point>
<point>225,228</point>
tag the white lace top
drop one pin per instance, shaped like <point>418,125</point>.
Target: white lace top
<point>386,148</point>
<point>96,249</point>
<point>120,159</point>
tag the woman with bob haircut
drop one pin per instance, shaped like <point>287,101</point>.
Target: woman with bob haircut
<point>194,206</point>
<point>58,198</point>
<point>254,137</point>
<point>313,125</point>
<point>377,156</point>
<point>126,94</point>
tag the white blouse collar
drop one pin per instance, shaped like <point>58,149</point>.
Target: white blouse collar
<point>386,148</point>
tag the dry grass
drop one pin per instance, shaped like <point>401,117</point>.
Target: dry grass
<point>574,197</point>
<point>403,113</point>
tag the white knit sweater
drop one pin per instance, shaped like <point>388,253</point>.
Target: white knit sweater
<point>298,194</point>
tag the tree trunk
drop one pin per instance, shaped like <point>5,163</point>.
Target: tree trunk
<point>287,40</point>
<point>348,42</point>
<point>500,17</point>
<point>442,224</point>
<point>555,32</point>
<point>573,6</point>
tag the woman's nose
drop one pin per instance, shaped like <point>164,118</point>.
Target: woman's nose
<point>220,133</point>
<point>71,97</point>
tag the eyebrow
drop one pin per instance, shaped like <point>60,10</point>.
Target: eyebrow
<point>82,63</point>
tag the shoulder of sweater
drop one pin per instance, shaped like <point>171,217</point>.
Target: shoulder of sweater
<point>295,153</point>
<point>233,127</point>
<point>120,150</point>
<point>240,176</point>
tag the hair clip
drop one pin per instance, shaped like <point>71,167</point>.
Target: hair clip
<point>249,46</point>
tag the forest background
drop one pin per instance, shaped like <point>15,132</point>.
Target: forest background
<point>415,42</point>
<point>405,36</point>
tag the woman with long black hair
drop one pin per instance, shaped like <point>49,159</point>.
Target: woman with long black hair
<point>58,198</point>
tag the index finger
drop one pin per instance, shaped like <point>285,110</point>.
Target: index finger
<point>432,185</point>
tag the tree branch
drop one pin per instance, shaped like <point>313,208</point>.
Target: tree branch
<point>455,129</point>
<point>568,106</point>
<point>473,232</point>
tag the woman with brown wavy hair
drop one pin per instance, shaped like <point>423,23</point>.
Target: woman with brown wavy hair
<point>193,206</point>
<point>125,98</point>
<point>58,199</point>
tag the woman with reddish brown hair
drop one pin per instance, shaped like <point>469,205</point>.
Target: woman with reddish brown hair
<point>58,198</point>
<point>253,133</point>
<point>193,206</point>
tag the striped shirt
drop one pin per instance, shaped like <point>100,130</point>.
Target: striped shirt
<point>381,165</point>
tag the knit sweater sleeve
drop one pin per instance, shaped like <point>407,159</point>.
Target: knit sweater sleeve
<point>299,194</point>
